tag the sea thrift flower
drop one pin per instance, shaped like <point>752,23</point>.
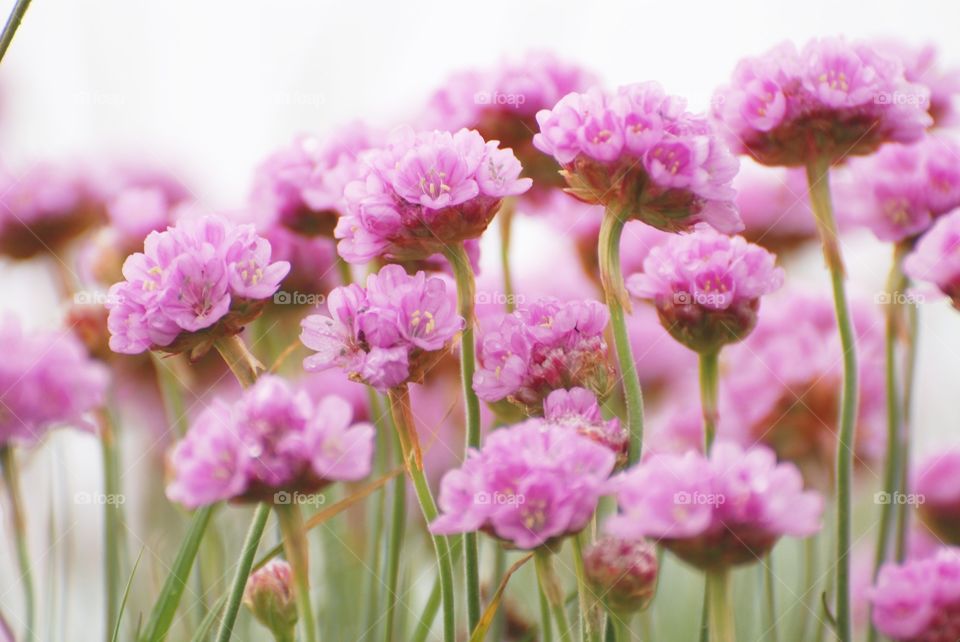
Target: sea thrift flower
<point>831,100</point>
<point>530,484</point>
<point>578,409</point>
<point>622,573</point>
<point>193,283</point>
<point>269,594</point>
<point>272,442</point>
<point>936,257</point>
<point>386,334</point>
<point>919,600</point>
<point>47,380</point>
<point>424,191</point>
<point>502,104</point>
<point>706,287</point>
<point>44,209</point>
<point>637,151</point>
<point>715,513</point>
<point>546,346</point>
<point>937,489</point>
<point>921,66</point>
<point>901,189</point>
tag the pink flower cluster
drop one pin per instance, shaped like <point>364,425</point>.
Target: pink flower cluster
<point>638,150</point>
<point>832,99</point>
<point>578,410</point>
<point>273,440</point>
<point>386,334</point>
<point>546,346</point>
<point>901,189</point>
<point>530,484</point>
<point>716,512</point>
<point>423,191</point>
<point>706,286</point>
<point>936,257</point>
<point>919,600</point>
<point>193,282</point>
<point>921,65</point>
<point>47,380</point>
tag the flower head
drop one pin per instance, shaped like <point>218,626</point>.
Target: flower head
<point>938,483</point>
<point>936,257</point>
<point>919,600</point>
<point>386,334</point>
<point>623,572</point>
<point>48,380</point>
<point>425,190</point>
<point>831,100</point>
<point>528,485</point>
<point>706,286</point>
<point>578,409</point>
<point>921,65</point>
<point>543,347</point>
<point>639,152</point>
<point>269,596</point>
<point>196,281</point>
<point>273,441</point>
<point>716,512</point>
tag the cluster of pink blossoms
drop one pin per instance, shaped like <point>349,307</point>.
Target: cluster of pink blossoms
<point>577,409</point>
<point>919,600</point>
<point>902,188</point>
<point>529,484</point>
<point>47,380</point>
<point>386,334</point>
<point>716,512</point>
<point>831,100</point>
<point>423,191</point>
<point>936,257</point>
<point>546,346</point>
<point>706,286</point>
<point>274,439</point>
<point>193,282</point>
<point>639,151</point>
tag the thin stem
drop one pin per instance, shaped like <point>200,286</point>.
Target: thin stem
<point>11,478</point>
<point>588,601</point>
<point>903,512</point>
<point>618,303</point>
<point>621,629</point>
<point>499,568</point>
<point>720,616</point>
<point>406,431</point>
<point>709,383</point>
<point>112,519</point>
<point>466,295</point>
<point>771,598</point>
<point>550,585</point>
<point>13,23</point>
<point>298,555</point>
<point>506,228</point>
<point>819,184</point>
<point>545,621</point>
<point>247,553</point>
<point>398,518</point>
<point>238,358</point>
<point>344,271</point>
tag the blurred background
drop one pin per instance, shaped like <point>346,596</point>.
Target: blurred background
<point>205,90</point>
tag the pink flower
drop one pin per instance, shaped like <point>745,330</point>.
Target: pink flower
<point>638,151</point>
<point>273,440</point>
<point>921,66</point>
<point>529,484</point>
<point>936,257</point>
<point>919,600</point>
<point>200,279</point>
<point>622,572</point>
<point>269,594</point>
<point>726,510</point>
<point>47,379</point>
<point>546,346</point>
<point>578,409</point>
<point>833,99</point>
<point>706,286</point>
<point>422,191</point>
<point>386,334</point>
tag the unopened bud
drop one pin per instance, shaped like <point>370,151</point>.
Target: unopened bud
<point>622,572</point>
<point>269,596</point>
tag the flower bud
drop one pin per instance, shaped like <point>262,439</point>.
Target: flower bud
<point>269,596</point>
<point>622,572</point>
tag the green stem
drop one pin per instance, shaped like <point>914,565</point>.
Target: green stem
<point>429,614</point>
<point>550,585</point>
<point>903,512</point>
<point>406,431</point>
<point>506,228</point>
<point>621,629</point>
<point>18,520</point>
<point>588,602</point>
<point>112,519</point>
<point>398,518</point>
<point>466,296</point>
<point>771,598</point>
<point>238,358</point>
<point>499,568</point>
<point>247,553</point>
<point>344,271</point>
<point>376,512</point>
<point>297,551</point>
<point>720,616</point>
<point>545,624</point>
<point>13,22</point>
<point>709,383</point>
<point>618,303</point>
<point>818,172</point>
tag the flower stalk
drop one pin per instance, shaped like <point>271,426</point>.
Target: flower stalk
<point>297,550</point>
<point>18,522</point>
